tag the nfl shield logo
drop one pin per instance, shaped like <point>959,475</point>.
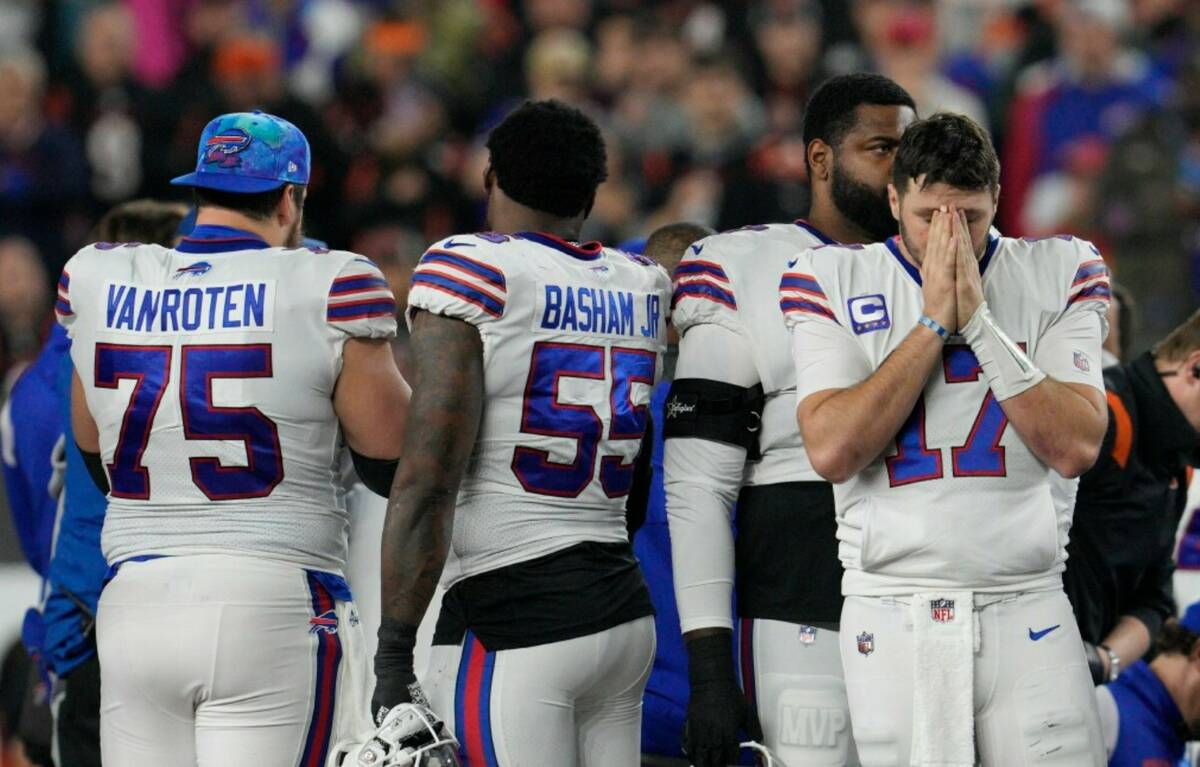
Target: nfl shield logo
<point>1081,362</point>
<point>808,635</point>
<point>942,610</point>
<point>866,643</point>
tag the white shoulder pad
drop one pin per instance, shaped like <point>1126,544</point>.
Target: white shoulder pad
<point>461,277</point>
<point>360,303</point>
<point>1090,282</point>
<point>801,296</point>
<point>702,291</point>
<point>90,263</point>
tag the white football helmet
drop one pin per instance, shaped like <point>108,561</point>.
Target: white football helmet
<point>410,736</point>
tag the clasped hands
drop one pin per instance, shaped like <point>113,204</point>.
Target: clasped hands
<point>950,281</point>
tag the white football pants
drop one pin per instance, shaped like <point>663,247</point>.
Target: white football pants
<point>796,685</point>
<point>1034,700</point>
<point>576,703</point>
<point>226,661</point>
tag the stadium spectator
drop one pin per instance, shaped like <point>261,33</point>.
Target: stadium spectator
<point>24,303</point>
<point>901,41</point>
<point>1146,202</point>
<point>107,108</point>
<point>43,173</point>
<point>1119,558</point>
<point>1090,92</point>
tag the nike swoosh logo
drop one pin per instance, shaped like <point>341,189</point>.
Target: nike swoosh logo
<point>453,244</point>
<point>793,262</point>
<point>1036,635</point>
<point>697,248</point>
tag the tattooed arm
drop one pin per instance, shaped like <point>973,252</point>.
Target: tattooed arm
<point>443,421</point>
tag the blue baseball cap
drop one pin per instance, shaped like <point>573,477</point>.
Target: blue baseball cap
<point>249,152</point>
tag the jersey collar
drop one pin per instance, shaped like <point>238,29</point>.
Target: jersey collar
<point>588,251</point>
<point>815,232</point>
<point>893,244</point>
<point>220,239</point>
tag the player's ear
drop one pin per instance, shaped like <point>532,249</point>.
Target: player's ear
<point>1192,366</point>
<point>285,210</point>
<point>820,159</point>
<point>894,201</point>
<point>489,178</point>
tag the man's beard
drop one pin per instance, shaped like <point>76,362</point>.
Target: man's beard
<point>867,208</point>
<point>916,253</point>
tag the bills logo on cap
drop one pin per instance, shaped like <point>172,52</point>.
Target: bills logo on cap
<point>868,313</point>
<point>326,621</point>
<point>866,643</point>
<point>808,635</point>
<point>941,610</point>
<point>1081,361</point>
<point>224,147</point>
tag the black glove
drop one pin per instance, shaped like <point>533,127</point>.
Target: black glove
<point>717,710</point>
<point>1095,664</point>
<point>395,682</point>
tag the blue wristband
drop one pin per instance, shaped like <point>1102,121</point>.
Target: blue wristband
<point>933,325</point>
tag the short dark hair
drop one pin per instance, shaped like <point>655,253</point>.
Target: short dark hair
<point>550,157</point>
<point>1175,638</point>
<point>145,221</point>
<point>832,110</point>
<point>667,244</point>
<point>948,149</point>
<point>258,205</point>
<point>1180,342</point>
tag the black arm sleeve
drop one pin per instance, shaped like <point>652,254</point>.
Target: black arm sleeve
<point>717,411</point>
<point>95,468</point>
<point>376,473</point>
<point>638,500</point>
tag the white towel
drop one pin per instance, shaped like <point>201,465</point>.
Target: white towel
<point>943,679</point>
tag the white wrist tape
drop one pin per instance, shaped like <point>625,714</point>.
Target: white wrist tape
<point>1008,370</point>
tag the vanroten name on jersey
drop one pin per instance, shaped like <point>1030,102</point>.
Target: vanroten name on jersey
<point>135,308</point>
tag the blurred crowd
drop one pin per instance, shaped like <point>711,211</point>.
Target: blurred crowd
<point>1094,104</point>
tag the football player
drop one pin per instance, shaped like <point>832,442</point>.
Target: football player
<point>943,378</point>
<point>732,436</point>
<point>535,359</point>
<point>214,384</point>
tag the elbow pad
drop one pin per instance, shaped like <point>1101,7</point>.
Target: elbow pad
<point>376,473</point>
<point>95,469</point>
<point>716,411</point>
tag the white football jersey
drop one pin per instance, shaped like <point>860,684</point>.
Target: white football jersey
<point>573,339</point>
<point>732,280</point>
<point>210,374</point>
<point>959,501</point>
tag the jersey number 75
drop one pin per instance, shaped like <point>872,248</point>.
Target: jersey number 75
<point>150,369</point>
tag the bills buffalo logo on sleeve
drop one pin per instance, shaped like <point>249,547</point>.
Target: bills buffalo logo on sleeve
<point>223,148</point>
<point>326,621</point>
<point>941,610</point>
<point>868,313</point>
